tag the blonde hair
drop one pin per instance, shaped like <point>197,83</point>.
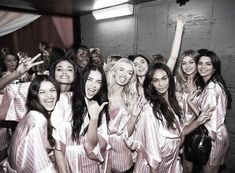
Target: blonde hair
<point>181,78</point>
<point>129,93</point>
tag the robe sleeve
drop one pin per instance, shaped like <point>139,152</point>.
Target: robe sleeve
<point>147,138</point>
<point>32,153</point>
<point>214,97</point>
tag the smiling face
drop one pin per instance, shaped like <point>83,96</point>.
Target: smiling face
<point>82,59</point>
<point>160,81</point>
<point>188,65</point>
<point>10,62</point>
<point>96,59</point>
<point>47,95</point>
<point>205,68</point>
<point>123,73</point>
<point>93,84</point>
<point>141,66</point>
<point>64,72</point>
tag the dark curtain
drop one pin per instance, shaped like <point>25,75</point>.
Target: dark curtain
<point>27,38</point>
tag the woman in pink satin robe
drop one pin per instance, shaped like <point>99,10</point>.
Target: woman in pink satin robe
<point>214,95</point>
<point>80,121</point>
<point>32,140</point>
<point>158,136</point>
<point>185,85</point>
<point>123,111</point>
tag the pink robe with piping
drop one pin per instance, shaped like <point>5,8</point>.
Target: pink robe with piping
<point>120,156</point>
<point>13,103</point>
<point>156,145</point>
<point>214,96</point>
<point>74,151</point>
<point>28,150</point>
<point>12,107</point>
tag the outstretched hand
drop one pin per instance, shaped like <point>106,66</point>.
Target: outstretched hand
<point>26,63</point>
<point>94,108</point>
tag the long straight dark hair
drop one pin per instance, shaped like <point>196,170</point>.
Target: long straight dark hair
<point>159,103</point>
<point>216,76</point>
<point>33,103</point>
<point>78,100</point>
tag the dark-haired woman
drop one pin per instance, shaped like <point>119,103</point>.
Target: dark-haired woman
<point>32,140</point>
<point>81,128</point>
<point>64,71</point>
<point>159,132</point>
<point>80,54</point>
<point>214,94</point>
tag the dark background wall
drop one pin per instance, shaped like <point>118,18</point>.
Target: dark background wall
<point>151,29</point>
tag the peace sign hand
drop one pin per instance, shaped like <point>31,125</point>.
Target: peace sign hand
<point>94,108</point>
<point>137,108</point>
<point>27,63</point>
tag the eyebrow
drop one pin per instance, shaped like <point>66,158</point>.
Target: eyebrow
<point>69,66</point>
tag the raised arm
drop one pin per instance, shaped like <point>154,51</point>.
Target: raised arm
<point>177,42</point>
<point>23,67</point>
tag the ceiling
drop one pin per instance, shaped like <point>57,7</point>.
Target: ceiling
<point>54,7</point>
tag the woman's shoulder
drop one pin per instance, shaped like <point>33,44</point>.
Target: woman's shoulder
<point>214,86</point>
<point>35,118</point>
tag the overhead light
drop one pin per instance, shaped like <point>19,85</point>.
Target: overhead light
<point>104,3</point>
<point>116,11</point>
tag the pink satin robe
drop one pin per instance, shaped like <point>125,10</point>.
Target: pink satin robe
<point>13,103</point>
<point>214,96</point>
<point>29,145</point>
<point>156,145</point>
<point>120,156</point>
<point>12,107</point>
<point>75,152</point>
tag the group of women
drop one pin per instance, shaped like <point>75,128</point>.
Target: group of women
<point>125,116</point>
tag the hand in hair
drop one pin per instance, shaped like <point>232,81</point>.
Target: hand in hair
<point>94,108</point>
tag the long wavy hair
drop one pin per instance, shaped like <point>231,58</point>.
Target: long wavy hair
<point>76,72</point>
<point>129,93</point>
<point>216,76</point>
<point>33,103</point>
<point>181,77</point>
<point>159,104</point>
<point>78,100</point>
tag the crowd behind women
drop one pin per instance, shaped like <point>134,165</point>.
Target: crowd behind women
<point>77,114</point>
